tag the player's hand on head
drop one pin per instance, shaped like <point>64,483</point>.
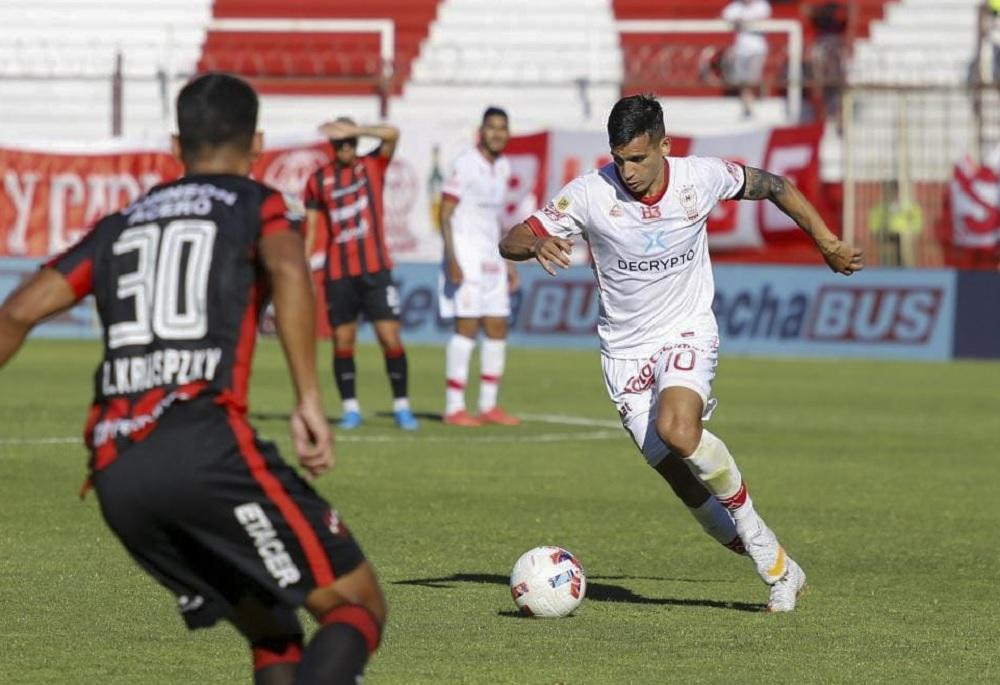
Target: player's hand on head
<point>549,251</point>
<point>843,258</point>
<point>337,130</point>
<point>312,437</point>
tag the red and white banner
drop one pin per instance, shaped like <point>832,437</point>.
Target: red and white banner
<point>50,197</point>
<point>975,207</point>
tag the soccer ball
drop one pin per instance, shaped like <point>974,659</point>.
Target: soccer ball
<point>548,582</point>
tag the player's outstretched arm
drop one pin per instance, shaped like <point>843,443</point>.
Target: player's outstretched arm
<point>521,243</point>
<point>283,257</point>
<point>46,293</point>
<point>761,185</point>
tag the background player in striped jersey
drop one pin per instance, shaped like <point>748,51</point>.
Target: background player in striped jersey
<point>202,505</point>
<point>344,199</point>
<point>475,283</point>
<point>644,218</point>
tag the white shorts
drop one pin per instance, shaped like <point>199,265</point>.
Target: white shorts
<point>634,385</point>
<point>483,291</point>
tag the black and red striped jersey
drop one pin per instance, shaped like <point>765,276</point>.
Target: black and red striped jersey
<point>349,200</point>
<point>178,287</point>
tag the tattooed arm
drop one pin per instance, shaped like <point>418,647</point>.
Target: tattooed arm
<point>839,256</point>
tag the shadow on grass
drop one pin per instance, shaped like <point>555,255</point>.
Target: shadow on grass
<point>284,416</point>
<point>596,591</point>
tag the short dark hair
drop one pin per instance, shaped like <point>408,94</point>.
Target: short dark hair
<point>493,111</point>
<point>214,110</point>
<point>632,116</point>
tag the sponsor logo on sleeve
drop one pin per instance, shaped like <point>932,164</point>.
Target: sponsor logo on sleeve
<point>553,213</point>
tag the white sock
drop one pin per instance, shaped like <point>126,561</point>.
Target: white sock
<point>714,466</point>
<point>718,522</point>
<point>493,356</point>
<point>351,405</point>
<point>400,403</point>
<point>456,360</point>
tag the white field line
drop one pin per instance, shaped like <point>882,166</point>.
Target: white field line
<point>458,436</point>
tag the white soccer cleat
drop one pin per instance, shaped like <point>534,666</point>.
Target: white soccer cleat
<point>762,547</point>
<point>786,591</point>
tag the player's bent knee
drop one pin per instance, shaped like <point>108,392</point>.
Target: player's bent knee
<point>357,588</point>
<point>681,435</point>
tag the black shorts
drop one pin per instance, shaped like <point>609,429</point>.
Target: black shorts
<point>373,295</point>
<point>216,516</point>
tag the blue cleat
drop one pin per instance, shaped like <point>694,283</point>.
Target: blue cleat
<point>406,420</point>
<point>350,420</point>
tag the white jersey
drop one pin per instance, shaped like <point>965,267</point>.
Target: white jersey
<point>479,186</point>
<point>748,42</point>
<point>650,256</point>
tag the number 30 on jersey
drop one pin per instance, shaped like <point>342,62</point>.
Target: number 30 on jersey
<point>162,307</point>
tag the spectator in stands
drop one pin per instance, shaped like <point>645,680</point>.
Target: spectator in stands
<point>744,61</point>
<point>826,56</point>
<point>895,222</point>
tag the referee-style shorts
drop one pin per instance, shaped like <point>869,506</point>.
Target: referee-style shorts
<point>216,516</point>
<point>374,295</point>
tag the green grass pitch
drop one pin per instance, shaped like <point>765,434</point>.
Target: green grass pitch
<point>880,478</point>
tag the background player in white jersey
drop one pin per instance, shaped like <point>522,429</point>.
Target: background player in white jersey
<point>644,218</point>
<point>475,283</point>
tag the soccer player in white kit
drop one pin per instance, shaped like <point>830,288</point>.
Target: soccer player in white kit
<point>475,282</point>
<point>643,217</point>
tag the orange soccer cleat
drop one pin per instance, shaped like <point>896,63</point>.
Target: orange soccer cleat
<point>461,418</point>
<point>498,416</point>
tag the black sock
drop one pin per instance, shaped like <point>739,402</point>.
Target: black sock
<point>278,674</point>
<point>344,373</point>
<point>336,655</point>
<point>276,660</point>
<point>395,366</point>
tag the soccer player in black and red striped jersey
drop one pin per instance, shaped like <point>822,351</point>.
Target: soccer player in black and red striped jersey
<point>205,507</point>
<point>344,198</point>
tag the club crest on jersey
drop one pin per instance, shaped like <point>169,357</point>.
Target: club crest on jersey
<point>650,212</point>
<point>616,211</point>
<point>689,201</point>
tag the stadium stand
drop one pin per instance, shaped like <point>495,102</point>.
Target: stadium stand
<point>57,57</point>
<point>307,63</point>
<point>553,62</point>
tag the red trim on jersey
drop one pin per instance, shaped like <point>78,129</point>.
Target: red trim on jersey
<point>486,378</point>
<point>445,195</point>
<point>107,452</point>
<point>145,405</point>
<point>81,278</point>
<point>264,657</point>
<point>537,227</point>
<point>311,546</point>
<point>243,358</point>
<point>455,385</point>
<point>88,428</point>
<point>274,215</point>
<point>395,352</point>
<point>649,199</point>
<point>359,618</point>
<point>351,246</point>
<point>344,353</point>
<point>377,205</point>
